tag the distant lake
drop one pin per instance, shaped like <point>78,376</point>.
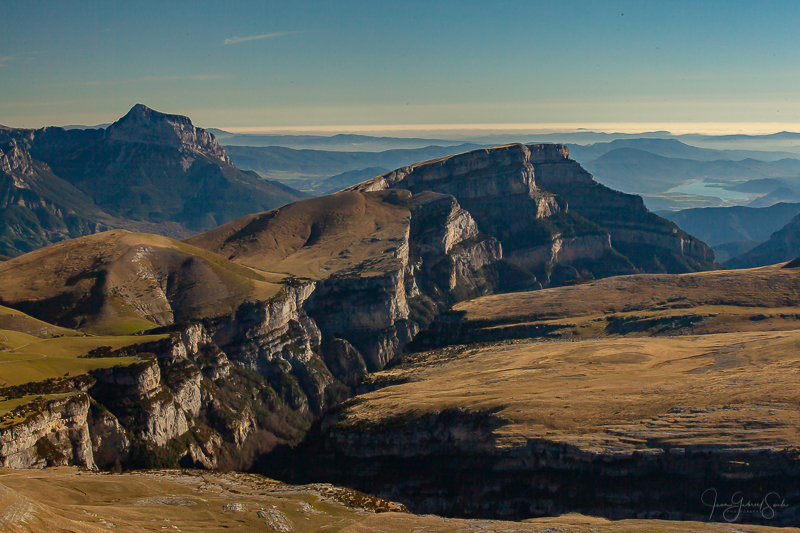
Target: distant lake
<point>700,188</point>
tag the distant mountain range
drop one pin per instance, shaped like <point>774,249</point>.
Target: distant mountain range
<point>746,237</point>
<point>720,225</point>
<point>652,167</point>
<point>308,169</point>
<point>339,143</point>
<point>147,172</point>
<point>783,245</point>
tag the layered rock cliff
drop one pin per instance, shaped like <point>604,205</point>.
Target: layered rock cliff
<point>55,432</point>
<point>143,125</point>
<point>239,374</point>
<point>358,275</point>
<point>546,209</point>
<point>616,427</point>
<point>450,463</point>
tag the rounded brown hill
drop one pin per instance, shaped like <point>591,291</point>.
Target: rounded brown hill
<point>317,238</point>
<point>119,282</point>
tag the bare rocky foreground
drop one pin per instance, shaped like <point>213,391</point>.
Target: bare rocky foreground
<point>68,499</point>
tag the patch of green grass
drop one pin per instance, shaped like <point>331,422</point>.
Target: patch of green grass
<point>129,325</point>
<point>41,359</point>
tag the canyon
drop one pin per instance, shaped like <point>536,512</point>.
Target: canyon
<point>486,335</point>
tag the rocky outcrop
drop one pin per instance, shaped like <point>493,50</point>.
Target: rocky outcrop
<point>15,159</point>
<point>144,125</point>
<point>54,432</point>
<point>110,443</point>
<point>546,209</point>
<point>148,171</point>
<point>38,208</point>
<point>562,250</point>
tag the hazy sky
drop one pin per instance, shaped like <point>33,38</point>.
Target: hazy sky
<point>329,63</point>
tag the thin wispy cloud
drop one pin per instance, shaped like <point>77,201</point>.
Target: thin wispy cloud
<point>193,77</point>
<point>196,77</point>
<point>4,60</point>
<point>273,35</point>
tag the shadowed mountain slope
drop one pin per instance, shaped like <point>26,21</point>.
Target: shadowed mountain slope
<point>147,171</point>
<point>719,225</point>
<point>783,245</point>
<point>37,207</point>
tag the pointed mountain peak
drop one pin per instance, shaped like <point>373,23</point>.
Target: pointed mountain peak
<point>145,125</point>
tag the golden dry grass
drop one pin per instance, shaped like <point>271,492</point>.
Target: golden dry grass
<point>13,320</point>
<point>765,287</point>
<point>759,299</point>
<point>727,390</point>
<point>316,238</point>
<point>66,499</point>
<point>133,274</point>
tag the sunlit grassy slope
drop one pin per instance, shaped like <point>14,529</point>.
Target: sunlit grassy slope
<point>120,282</point>
<point>316,238</point>
<point>25,358</point>
<point>759,299</point>
<point>725,390</point>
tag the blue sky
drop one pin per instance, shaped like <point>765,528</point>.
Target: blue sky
<point>302,64</point>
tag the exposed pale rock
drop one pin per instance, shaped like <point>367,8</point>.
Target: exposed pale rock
<point>58,434</point>
<point>110,444</point>
<point>15,159</point>
<point>562,250</point>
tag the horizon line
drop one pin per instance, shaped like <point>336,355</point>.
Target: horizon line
<point>672,128</point>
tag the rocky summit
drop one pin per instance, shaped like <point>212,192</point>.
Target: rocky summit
<point>148,171</point>
<point>551,217</point>
<point>144,125</point>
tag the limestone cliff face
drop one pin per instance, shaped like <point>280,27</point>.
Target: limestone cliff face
<point>15,159</point>
<point>624,216</point>
<point>562,250</point>
<point>546,209</point>
<point>277,338</point>
<point>439,223</point>
<point>370,305</point>
<point>144,125</point>
<point>218,391</point>
<point>55,433</point>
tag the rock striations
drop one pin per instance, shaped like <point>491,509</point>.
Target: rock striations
<point>143,125</point>
<point>550,215</point>
<point>249,363</point>
<point>273,318</point>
